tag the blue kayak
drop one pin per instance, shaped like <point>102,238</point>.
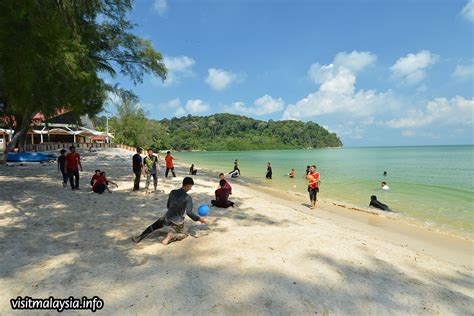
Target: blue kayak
<point>30,157</point>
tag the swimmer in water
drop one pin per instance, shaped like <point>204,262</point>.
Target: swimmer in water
<point>377,204</point>
<point>292,173</point>
<point>385,186</point>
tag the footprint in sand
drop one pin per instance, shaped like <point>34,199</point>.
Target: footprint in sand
<point>138,261</point>
<point>200,289</point>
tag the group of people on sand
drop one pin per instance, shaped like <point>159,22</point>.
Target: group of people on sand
<point>69,165</point>
<point>179,204</point>
<point>149,167</point>
<point>313,177</point>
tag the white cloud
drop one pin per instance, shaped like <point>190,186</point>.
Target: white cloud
<point>263,105</point>
<point>468,11</point>
<point>411,69</point>
<point>197,106</point>
<point>220,79</point>
<point>440,111</point>
<point>160,6</point>
<point>192,106</point>
<point>178,67</point>
<point>464,72</point>
<point>353,62</point>
<point>337,92</point>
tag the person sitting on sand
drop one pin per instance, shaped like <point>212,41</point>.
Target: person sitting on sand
<point>95,176</point>
<point>101,184</point>
<point>222,196</point>
<point>269,171</point>
<point>151,167</point>
<point>313,185</point>
<point>377,204</point>
<point>192,171</point>
<point>179,202</point>
<point>292,173</point>
<point>385,186</point>
<point>169,164</point>
<point>62,165</point>
<point>227,184</point>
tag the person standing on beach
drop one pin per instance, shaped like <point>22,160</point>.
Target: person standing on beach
<point>179,203</point>
<point>169,164</point>
<point>269,171</point>
<point>137,166</point>
<point>72,165</point>
<point>151,168</point>
<point>62,166</point>
<point>236,167</point>
<point>313,178</point>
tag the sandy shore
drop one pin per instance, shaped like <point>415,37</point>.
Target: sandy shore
<point>270,255</point>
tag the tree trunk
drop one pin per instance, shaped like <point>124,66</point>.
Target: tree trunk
<point>18,136</point>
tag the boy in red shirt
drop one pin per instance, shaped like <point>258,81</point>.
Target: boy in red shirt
<point>73,163</point>
<point>227,185</point>
<point>222,196</point>
<point>169,164</point>
<point>313,185</point>
<point>95,176</point>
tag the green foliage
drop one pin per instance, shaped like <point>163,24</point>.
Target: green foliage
<point>52,53</point>
<point>234,132</point>
<point>131,126</point>
<point>220,132</point>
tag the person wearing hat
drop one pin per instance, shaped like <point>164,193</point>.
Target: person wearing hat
<point>137,166</point>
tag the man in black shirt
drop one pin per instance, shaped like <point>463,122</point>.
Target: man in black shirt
<point>137,168</point>
<point>61,166</point>
<point>179,202</point>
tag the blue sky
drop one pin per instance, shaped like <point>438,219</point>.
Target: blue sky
<point>375,72</point>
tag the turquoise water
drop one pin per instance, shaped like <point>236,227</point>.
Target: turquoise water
<point>432,184</point>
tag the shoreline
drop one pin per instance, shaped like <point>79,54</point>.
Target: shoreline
<point>350,208</point>
<point>269,255</point>
<point>399,230</point>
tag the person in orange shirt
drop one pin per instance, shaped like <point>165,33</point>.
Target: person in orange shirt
<point>292,173</point>
<point>313,185</point>
<point>169,164</point>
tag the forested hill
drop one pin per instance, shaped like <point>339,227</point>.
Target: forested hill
<point>235,132</point>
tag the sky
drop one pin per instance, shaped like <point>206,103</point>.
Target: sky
<point>376,72</point>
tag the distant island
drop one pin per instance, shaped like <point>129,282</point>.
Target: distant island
<point>224,132</point>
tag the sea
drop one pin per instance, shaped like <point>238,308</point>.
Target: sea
<point>432,185</point>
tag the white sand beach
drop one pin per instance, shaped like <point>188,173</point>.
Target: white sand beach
<point>269,255</point>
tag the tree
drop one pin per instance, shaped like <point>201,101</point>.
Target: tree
<point>131,126</point>
<point>52,54</point>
